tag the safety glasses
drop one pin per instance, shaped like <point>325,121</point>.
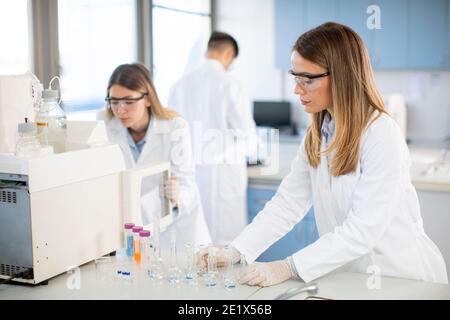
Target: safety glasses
<point>308,82</point>
<point>127,102</point>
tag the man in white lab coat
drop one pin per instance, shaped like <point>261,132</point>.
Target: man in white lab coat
<point>220,118</point>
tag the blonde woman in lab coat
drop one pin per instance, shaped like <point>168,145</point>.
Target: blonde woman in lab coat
<point>147,132</point>
<point>352,167</point>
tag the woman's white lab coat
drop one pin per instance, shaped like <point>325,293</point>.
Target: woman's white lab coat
<point>166,140</point>
<point>369,221</point>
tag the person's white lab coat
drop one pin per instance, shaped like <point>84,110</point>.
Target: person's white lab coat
<point>213,103</point>
<point>166,140</point>
<point>369,221</point>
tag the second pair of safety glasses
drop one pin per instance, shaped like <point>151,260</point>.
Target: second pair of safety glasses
<point>128,103</point>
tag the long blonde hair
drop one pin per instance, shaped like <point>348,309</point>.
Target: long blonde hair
<point>355,97</point>
<point>137,77</point>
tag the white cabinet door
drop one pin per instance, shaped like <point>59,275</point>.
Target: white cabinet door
<point>435,207</point>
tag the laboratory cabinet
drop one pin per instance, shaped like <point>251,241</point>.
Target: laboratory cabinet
<point>389,45</point>
<point>434,207</point>
<point>428,41</point>
<point>413,34</point>
<point>302,234</point>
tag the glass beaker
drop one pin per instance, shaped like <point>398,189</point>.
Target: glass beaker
<point>229,278</point>
<point>211,275</point>
<point>104,269</point>
<point>174,273</point>
<point>190,266</point>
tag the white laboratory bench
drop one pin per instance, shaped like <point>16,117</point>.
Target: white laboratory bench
<point>90,286</point>
<point>343,286</point>
<point>354,286</point>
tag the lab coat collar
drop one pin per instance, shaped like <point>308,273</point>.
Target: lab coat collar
<point>215,64</point>
<point>158,126</point>
<point>131,142</point>
<point>328,127</point>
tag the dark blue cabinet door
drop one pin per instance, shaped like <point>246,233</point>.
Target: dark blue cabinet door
<point>447,36</point>
<point>390,47</point>
<point>414,34</point>
<point>427,43</point>
<point>257,199</point>
<point>301,235</point>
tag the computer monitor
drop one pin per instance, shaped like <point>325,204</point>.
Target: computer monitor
<point>275,114</point>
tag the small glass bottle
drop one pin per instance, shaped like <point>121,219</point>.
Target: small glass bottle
<point>51,120</point>
<point>144,241</point>
<point>28,144</point>
<point>136,245</point>
<point>129,248</point>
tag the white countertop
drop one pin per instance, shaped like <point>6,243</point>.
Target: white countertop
<point>65,286</point>
<point>354,286</point>
<point>333,286</point>
<point>430,169</point>
<point>424,177</point>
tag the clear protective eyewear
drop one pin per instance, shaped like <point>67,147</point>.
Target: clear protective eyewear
<point>308,81</point>
<point>128,103</point>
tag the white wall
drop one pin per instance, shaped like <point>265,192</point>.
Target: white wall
<point>427,93</point>
<point>251,23</point>
<point>253,26</point>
